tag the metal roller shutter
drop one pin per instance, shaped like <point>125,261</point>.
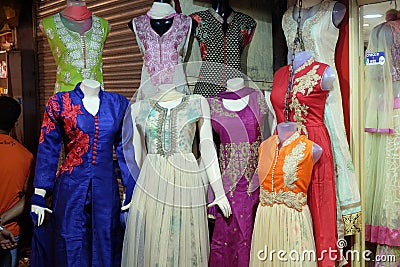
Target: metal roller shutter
<point>122,61</point>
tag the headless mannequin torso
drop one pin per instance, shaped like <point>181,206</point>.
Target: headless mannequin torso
<point>91,102</point>
<point>310,7</point>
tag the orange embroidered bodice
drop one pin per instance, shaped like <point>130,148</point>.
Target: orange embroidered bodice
<point>285,173</point>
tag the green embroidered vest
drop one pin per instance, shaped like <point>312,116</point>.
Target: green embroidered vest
<point>77,56</point>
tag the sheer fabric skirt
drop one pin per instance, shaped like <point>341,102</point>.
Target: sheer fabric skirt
<point>167,221</point>
<point>382,161</point>
<point>281,228</point>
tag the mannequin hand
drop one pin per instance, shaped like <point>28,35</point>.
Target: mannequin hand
<point>40,212</point>
<point>126,207</point>
<point>224,206</point>
<point>39,207</point>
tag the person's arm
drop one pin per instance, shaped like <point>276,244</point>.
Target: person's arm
<point>16,210</point>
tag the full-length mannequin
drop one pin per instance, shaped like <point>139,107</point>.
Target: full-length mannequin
<point>91,101</point>
<point>84,186</point>
<point>165,125</point>
<point>287,129</point>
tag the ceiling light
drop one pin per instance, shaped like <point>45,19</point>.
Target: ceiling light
<point>372,16</point>
<point>365,25</point>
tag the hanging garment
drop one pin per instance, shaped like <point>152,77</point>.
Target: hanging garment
<point>240,135</point>
<point>85,203</point>
<point>221,52</point>
<point>167,223</point>
<point>307,103</point>
<point>283,219</point>
<point>320,37</point>
<point>382,140</point>
<point>162,55</point>
<point>78,56</point>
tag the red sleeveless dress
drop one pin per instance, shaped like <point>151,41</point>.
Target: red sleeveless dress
<point>307,103</point>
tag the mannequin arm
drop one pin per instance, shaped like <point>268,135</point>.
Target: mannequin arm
<point>138,143</point>
<point>339,11</point>
<point>328,78</point>
<point>209,160</point>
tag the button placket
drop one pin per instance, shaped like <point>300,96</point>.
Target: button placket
<point>95,140</point>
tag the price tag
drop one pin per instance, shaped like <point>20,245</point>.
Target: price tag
<point>376,58</point>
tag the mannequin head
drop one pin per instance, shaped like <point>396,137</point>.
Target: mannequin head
<point>76,3</point>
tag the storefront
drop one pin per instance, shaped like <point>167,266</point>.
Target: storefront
<point>267,52</point>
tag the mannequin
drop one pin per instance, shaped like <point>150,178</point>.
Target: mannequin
<point>162,55</point>
<point>329,75</point>
<point>223,36</point>
<point>91,102</point>
<point>287,129</point>
<point>76,38</point>
<point>164,130</point>
<point>238,118</point>
<point>84,187</point>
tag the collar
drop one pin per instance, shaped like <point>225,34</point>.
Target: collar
<point>221,19</point>
<point>80,93</point>
<point>288,141</point>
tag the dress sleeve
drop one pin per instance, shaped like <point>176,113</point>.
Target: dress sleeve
<point>125,152</point>
<point>50,143</point>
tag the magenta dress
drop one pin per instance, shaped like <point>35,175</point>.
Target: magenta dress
<point>240,135</point>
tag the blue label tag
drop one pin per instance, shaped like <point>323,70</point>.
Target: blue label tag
<point>376,58</point>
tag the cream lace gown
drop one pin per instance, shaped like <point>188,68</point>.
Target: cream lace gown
<point>320,36</point>
<point>167,221</point>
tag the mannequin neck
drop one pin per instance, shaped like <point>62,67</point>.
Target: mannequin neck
<point>168,92</point>
<point>286,130</point>
<point>222,7</point>
<point>235,84</point>
<point>300,58</point>
<point>90,88</point>
<point>77,12</point>
<point>308,3</point>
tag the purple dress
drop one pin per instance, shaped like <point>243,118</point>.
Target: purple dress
<point>240,135</point>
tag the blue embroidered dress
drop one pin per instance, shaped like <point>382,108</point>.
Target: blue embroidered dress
<point>85,203</point>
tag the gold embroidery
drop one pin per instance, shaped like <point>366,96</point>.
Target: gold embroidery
<point>262,103</point>
<point>289,198</point>
<point>303,84</point>
<point>235,157</point>
<point>352,223</point>
<point>291,164</point>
